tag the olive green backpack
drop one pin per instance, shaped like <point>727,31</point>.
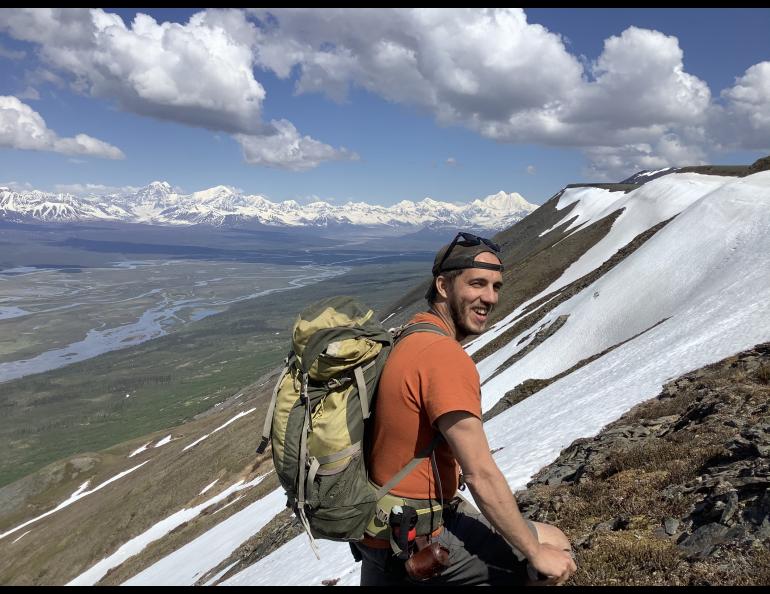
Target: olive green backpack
<point>317,419</point>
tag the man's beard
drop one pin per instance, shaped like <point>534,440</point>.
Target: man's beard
<point>455,308</point>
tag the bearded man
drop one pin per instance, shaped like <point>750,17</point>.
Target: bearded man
<point>429,388</point>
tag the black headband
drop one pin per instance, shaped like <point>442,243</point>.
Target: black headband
<point>473,264</point>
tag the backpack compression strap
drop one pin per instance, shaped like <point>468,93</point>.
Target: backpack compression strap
<point>269,416</point>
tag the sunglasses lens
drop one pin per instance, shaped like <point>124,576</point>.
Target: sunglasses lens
<point>476,240</point>
<point>467,240</point>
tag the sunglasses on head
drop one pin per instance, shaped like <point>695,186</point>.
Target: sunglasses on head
<point>467,240</point>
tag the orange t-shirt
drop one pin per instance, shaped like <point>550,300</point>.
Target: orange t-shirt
<point>426,375</point>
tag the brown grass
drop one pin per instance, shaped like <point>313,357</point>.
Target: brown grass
<point>763,374</point>
<point>66,543</point>
<point>630,490</point>
<point>629,558</point>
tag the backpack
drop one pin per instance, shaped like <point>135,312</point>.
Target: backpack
<point>319,412</point>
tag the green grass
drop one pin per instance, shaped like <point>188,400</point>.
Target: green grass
<point>83,407</point>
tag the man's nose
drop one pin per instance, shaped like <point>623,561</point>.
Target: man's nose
<point>489,295</point>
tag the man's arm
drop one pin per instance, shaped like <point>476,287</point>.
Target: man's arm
<point>465,435</point>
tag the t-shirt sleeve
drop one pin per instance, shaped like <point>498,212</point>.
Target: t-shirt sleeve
<point>449,380</point>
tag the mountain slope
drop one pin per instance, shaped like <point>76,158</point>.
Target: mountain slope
<point>706,271</point>
<point>614,321</point>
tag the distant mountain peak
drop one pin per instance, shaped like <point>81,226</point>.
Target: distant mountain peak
<point>160,204</point>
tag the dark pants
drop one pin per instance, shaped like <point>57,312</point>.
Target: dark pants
<point>478,555</point>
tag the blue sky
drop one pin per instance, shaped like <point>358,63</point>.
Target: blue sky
<point>377,105</point>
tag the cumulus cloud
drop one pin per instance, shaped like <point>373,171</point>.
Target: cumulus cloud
<point>21,127</point>
<point>747,121</point>
<point>199,73</point>
<point>613,163</point>
<point>488,70</point>
<point>460,63</point>
<point>508,79</point>
<point>285,148</point>
<point>640,82</point>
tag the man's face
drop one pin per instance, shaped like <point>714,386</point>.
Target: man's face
<point>473,294</point>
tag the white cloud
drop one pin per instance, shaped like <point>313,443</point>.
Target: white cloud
<point>199,73</point>
<point>531,169</point>
<point>460,63</point>
<point>287,149</point>
<point>612,163</point>
<point>82,144</point>
<point>21,127</point>
<point>507,79</point>
<point>488,70</point>
<point>17,186</point>
<point>452,162</point>
<point>640,111</point>
<point>94,189</point>
<point>747,121</point>
<point>640,82</point>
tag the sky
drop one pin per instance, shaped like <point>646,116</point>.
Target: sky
<point>376,105</point>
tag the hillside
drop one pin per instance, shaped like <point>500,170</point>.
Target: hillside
<point>614,295</point>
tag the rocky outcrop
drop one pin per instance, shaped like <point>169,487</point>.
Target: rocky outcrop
<point>280,530</point>
<point>697,458</point>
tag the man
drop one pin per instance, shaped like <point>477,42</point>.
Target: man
<point>429,385</point>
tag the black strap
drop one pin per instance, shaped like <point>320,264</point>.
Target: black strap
<point>400,525</point>
<point>484,265</point>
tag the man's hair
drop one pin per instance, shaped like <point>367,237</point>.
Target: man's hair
<point>432,293</point>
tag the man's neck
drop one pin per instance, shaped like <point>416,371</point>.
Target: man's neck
<point>442,311</point>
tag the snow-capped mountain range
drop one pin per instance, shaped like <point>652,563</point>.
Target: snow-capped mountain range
<point>159,204</point>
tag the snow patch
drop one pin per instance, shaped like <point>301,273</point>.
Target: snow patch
<point>185,565</point>
<point>137,544</point>
<point>207,487</point>
<point>163,441</point>
<point>139,450</point>
<point>76,496</point>
<point>235,418</point>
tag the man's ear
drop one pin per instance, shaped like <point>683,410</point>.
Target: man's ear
<point>443,286</point>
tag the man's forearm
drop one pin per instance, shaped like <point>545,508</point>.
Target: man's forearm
<point>496,501</point>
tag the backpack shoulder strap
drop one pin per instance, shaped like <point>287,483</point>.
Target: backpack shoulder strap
<point>428,450</point>
<point>401,474</point>
<point>419,327</point>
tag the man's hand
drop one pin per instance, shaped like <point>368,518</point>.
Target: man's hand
<point>553,562</point>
